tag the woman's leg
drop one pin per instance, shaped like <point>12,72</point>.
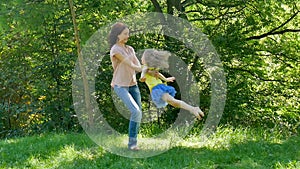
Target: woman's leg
<point>135,110</point>
<point>136,94</point>
<point>136,118</point>
<point>181,104</point>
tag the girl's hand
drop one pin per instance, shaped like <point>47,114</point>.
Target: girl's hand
<point>142,79</point>
<point>154,73</point>
<point>170,79</point>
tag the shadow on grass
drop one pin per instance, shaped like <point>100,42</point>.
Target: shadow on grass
<point>86,154</point>
<point>19,151</point>
<point>251,154</point>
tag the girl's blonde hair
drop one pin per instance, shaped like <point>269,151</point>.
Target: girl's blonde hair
<point>156,59</point>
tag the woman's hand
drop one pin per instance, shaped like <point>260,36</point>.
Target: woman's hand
<point>136,67</point>
<point>143,74</point>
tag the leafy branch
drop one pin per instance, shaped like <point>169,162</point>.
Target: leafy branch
<point>257,76</point>
<point>276,30</point>
<point>156,6</point>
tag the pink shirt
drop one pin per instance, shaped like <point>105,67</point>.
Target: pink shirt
<point>123,75</point>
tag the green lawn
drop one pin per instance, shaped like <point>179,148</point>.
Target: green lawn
<point>228,148</point>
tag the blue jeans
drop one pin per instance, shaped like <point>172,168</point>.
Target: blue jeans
<point>131,97</point>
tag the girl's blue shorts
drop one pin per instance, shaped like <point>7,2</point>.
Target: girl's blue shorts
<point>158,91</point>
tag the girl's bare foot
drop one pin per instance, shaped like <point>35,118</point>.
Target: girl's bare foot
<point>198,113</point>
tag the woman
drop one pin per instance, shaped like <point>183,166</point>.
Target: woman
<point>125,64</point>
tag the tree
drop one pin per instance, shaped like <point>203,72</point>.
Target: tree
<point>258,44</point>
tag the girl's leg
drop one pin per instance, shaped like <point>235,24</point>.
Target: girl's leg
<point>136,114</point>
<point>181,104</point>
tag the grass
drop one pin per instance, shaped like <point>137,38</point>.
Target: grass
<point>227,148</point>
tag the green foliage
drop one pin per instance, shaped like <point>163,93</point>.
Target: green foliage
<point>258,44</point>
<point>38,63</point>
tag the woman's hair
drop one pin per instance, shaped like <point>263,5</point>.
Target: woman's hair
<point>116,30</point>
<point>156,59</point>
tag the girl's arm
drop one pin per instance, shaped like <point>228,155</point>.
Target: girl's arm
<point>136,67</point>
<point>145,70</point>
<point>162,77</point>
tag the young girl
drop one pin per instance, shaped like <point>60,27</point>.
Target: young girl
<point>162,94</point>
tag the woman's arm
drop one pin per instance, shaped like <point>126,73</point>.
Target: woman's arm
<point>144,71</point>
<point>128,62</point>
